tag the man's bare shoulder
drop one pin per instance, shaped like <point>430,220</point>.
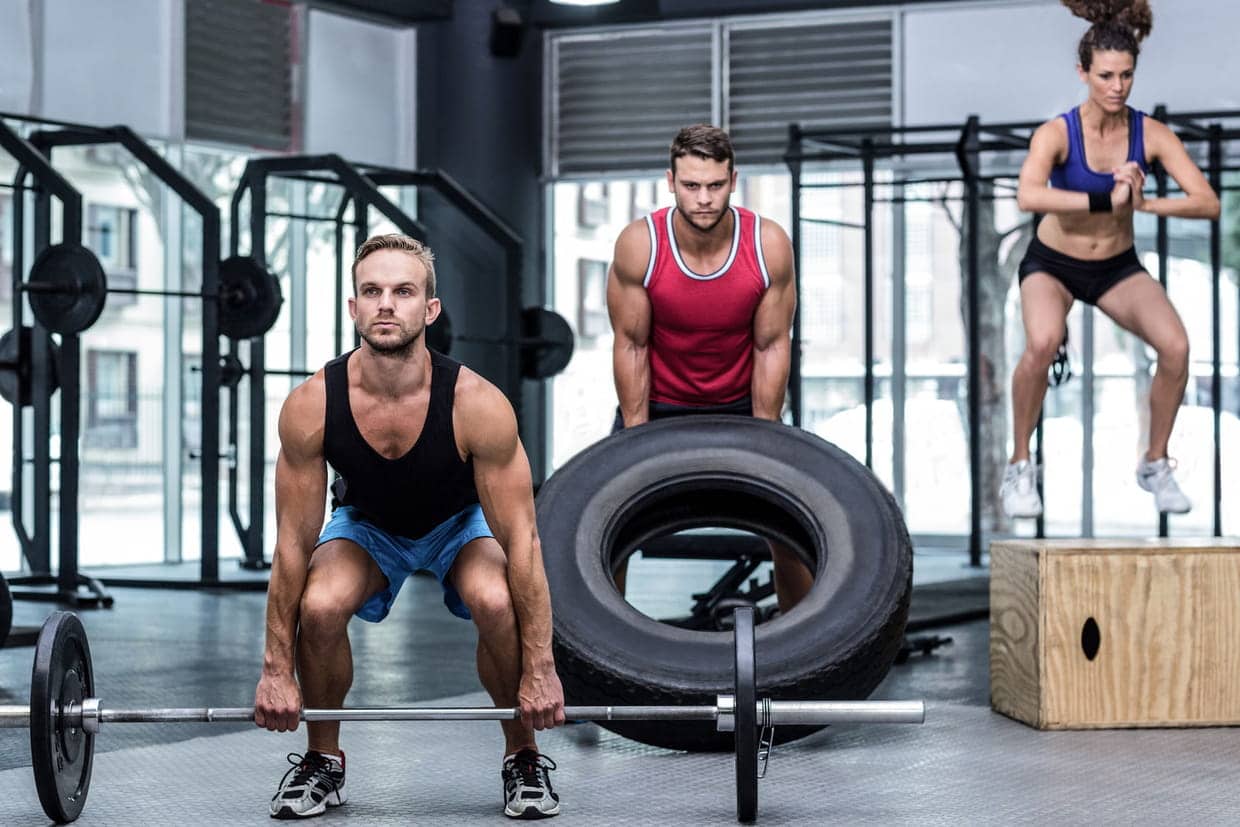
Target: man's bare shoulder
<point>303,416</point>
<point>483,414</point>
<point>773,234</point>
<point>632,253</point>
<point>776,251</point>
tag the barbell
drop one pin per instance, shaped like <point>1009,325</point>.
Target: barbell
<point>545,343</point>
<point>545,347</point>
<point>67,289</point>
<point>64,716</point>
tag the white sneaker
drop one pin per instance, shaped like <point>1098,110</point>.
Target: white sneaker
<point>1158,477</point>
<point>1020,490</point>
<point>527,786</point>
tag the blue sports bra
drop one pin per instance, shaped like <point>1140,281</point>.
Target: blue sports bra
<point>1074,173</point>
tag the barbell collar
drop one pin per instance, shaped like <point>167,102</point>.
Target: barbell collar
<point>725,721</point>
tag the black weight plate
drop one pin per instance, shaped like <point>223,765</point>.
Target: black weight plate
<point>78,288</point>
<point>553,350</point>
<point>15,378</point>
<point>231,370</point>
<point>746,718</point>
<point>439,334</point>
<point>250,298</point>
<point>62,755</point>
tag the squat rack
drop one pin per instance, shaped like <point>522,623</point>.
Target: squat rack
<point>34,155</point>
<point>360,182</point>
<point>973,140</point>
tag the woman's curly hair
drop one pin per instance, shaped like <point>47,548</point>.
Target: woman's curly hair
<point>1118,25</point>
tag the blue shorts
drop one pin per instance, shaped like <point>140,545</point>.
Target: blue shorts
<point>398,557</point>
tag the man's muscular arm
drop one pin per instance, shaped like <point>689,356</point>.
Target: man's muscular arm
<point>629,309</point>
<point>301,489</point>
<point>772,325</point>
<point>488,432</point>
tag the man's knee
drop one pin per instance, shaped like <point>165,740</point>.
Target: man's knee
<point>490,604</point>
<point>324,613</point>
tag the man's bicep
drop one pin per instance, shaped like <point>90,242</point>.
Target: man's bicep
<point>772,321</point>
<point>628,307</point>
<point>505,488</point>
<point>301,469</point>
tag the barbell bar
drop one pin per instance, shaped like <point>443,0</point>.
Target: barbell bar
<point>67,289</point>
<point>64,715</point>
<point>90,714</point>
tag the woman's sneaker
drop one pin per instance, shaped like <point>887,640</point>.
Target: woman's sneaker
<point>1157,476</point>
<point>527,786</point>
<point>314,783</point>
<point>1019,491</point>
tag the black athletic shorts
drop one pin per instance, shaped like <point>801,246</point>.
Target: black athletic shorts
<point>664,410</point>
<point>1086,280</point>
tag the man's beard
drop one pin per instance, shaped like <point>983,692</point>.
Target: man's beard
<point>692,220</point>
<point>388,347</point>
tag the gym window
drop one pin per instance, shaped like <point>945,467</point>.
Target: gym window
<point>592,206</point>
<point>592,320</point>
<point>111,232</point>
<point>112,399</point>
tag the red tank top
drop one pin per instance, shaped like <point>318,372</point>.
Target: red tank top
<point>701,334</point>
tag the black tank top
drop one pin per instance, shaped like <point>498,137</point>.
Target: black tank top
<point>409,495</point>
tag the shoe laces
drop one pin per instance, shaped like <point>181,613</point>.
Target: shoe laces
<point>305,768</point>
<point>531,768</point>
<point>1161,470</point>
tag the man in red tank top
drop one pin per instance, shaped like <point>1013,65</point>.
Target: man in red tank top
<point>701,297</point>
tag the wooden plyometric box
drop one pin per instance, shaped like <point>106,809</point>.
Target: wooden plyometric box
<point>1116,633</point>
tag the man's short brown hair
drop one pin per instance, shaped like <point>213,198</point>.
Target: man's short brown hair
<point>704,141</point>
<point>398,241</point>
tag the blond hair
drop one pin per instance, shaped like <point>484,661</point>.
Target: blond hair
<point>404,243</point>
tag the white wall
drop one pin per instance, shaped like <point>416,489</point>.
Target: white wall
<point>16,59</point>
<point>360,90</point>
<point>108,63</point>
<point>1016,60</point>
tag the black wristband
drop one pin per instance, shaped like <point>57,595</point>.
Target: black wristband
<point>1100,202</point>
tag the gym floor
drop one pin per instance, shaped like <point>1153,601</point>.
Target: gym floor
<point>965,765</point>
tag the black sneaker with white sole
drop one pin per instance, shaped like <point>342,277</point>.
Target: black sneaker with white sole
<point>527,786</point>
<point>314,783</point>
